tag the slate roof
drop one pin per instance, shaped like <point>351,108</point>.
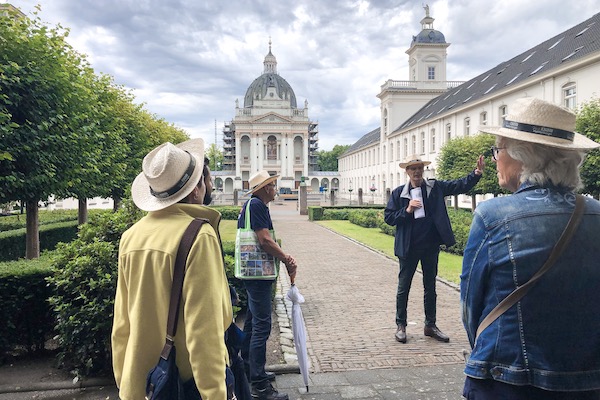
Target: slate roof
<point>366,140</point>
<point>573,44</point>
<point>568,46</point>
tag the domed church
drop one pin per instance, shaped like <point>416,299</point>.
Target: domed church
<point>270,132</point>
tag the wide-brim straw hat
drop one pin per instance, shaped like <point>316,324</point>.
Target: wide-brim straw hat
<point>530,119</point>
<point>412,160</point>
<point>260,180</point>
<point>169,173</point>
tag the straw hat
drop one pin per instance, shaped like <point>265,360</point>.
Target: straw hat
<point>169,173</point>
<point>260,180</point>
<point>538,121</point>
<point>412,160</point>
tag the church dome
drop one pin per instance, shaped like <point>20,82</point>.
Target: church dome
<point>269,78</point>
<point>429,36</point>
<point>258,89</point>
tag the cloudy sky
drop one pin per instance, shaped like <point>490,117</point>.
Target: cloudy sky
<point>189,60</point>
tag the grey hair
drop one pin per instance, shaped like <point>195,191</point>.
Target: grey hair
<point>545,165</point>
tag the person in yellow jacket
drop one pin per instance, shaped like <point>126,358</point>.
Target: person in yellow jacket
<point>171,188</point>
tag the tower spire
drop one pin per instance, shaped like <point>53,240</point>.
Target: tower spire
<point>270,62</point>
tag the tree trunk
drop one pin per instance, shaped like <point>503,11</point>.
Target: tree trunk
<point>473,202</point>
<point>82,211</point>
<point>32,237</point>
<point>116,203</point>
<point>456,202</point>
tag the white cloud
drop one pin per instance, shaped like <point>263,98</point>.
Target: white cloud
<point>189,61</point>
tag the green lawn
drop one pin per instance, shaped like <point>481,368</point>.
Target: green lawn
<point>450,265</point>
<point>227,229</point>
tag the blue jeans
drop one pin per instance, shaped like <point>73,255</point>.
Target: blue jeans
<point>257,328</point>
<point>429,264</point>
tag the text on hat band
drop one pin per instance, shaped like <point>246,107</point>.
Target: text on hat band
<point>539,130</point>
<point>181,183</point>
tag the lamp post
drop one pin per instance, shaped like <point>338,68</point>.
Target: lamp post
<point>373,189</point>
<point>350,190</point>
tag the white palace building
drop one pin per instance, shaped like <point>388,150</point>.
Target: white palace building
<point>421,114</point>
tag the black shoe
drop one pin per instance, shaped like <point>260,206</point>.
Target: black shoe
<point>401,334</point>
<point>266,391</point>
<point>435,333</point>
<point>270,375</point>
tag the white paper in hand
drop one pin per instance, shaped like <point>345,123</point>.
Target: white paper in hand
<point>417,194</point>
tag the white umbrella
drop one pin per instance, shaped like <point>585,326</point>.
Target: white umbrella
<point>299,331</point>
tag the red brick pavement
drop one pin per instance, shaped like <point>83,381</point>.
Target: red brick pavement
<point>350,296</point>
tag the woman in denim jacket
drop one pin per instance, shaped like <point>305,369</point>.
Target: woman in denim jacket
<point>547,346</point>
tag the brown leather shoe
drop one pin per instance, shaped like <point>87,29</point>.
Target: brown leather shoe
<point>401,334</point>
<point>435,333</point>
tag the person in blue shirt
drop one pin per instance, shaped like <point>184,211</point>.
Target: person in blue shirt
<point>257,324</point>
<point>418,211</point>
<point>547,345</point>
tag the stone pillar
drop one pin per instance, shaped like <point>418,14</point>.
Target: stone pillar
<point>332,197</point>
<point>360,196</point>
<point>235,197</point>
<point>388,194</point>
<point>303,200</point>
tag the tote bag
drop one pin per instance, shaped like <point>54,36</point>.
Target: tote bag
<point>251,261</point>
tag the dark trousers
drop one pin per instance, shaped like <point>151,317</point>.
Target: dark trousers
<point>257,328</point>
<point>429,264</point>
<point>489,389</point>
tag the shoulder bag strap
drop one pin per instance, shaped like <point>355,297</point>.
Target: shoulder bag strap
<point>178,274</point>
<point>519,292</point>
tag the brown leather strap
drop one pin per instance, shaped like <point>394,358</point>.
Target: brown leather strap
<point>520,291</point>
<point>178,274</point>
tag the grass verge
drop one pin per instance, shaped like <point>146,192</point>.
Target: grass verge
<point>450,265</point>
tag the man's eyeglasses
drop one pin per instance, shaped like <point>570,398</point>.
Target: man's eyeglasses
<point>495,151</point>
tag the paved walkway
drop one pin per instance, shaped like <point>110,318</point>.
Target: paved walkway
<point>349,314</point>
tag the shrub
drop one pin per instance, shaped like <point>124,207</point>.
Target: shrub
<point>12,243</point>
<point>365,218</point>
<point>228,212</point>
<point>84,281</point>
<point>335,213</point>
<point>315,213</point>
<point>25,312</point>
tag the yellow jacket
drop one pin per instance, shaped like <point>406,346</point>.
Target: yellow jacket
<point>147,254</point>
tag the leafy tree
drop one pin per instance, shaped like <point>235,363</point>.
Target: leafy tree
<point>459,157</point>
<point>44,101</point>
<point>328,160</point>
<point>588,123</point>
<point>215,155</point>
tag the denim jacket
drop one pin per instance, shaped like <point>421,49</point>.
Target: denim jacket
<point>551,338</point>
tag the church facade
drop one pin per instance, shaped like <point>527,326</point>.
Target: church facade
<point>421,114</point>
<point>270,132</point>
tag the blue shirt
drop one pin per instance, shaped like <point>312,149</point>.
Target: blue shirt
<point>551,338</point>
<point>260,217</point>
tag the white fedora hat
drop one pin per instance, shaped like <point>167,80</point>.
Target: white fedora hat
<point>412,160</point>
<point>533,120</point>
<point>169,173</point>
<point>260,180</point>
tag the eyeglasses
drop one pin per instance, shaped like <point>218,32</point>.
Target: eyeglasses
<point>495,151</point>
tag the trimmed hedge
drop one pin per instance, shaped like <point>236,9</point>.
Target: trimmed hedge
<point>26,314</point>
<point>373,218</point>
<point>13,245</point>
